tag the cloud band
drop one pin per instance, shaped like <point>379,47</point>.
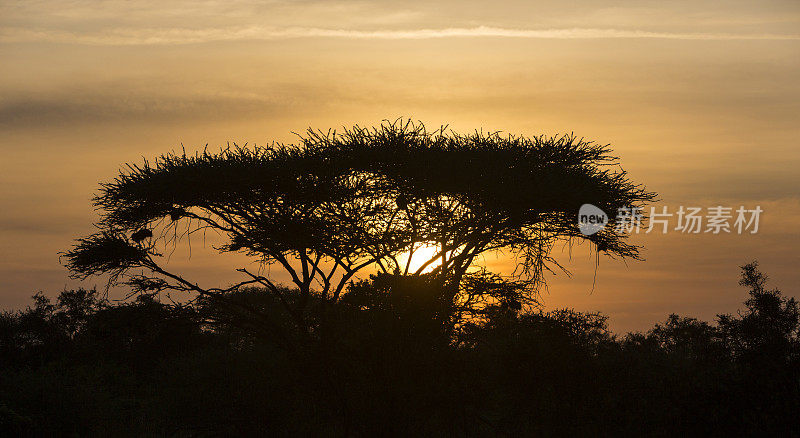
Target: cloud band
<point>193,36</point>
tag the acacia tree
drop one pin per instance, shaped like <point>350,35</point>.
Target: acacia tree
<point>336,203</point>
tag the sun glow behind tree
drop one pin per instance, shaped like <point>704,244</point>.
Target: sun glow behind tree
<point>421,254</point>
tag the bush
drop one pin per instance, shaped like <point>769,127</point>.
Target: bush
<point>383,361</point>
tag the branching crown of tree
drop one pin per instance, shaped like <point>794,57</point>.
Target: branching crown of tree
<point>338,202</point>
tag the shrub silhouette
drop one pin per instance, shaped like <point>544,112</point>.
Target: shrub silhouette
<point>81,365</point>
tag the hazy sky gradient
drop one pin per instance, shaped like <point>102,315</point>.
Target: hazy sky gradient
<point>700,100</point>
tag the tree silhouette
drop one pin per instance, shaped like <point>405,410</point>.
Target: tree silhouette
<point>769,328</point>
<point>338,202</point>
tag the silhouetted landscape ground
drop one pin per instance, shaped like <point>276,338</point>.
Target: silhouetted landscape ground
<point>378,363</point>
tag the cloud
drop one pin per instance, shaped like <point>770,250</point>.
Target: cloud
<point>108,105</point>
<point>171,36</point>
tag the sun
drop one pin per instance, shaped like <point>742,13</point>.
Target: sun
<point>422,253</point>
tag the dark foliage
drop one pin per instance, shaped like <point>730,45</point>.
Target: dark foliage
<point>385,361</point>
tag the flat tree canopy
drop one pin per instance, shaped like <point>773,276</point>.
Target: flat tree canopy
<point>336,203</point>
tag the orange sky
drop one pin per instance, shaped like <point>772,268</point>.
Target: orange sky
<point>700,99</point>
